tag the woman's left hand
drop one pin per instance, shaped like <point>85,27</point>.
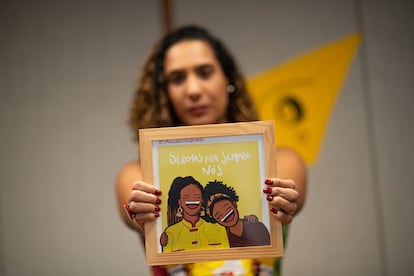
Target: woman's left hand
<point>282,197</point>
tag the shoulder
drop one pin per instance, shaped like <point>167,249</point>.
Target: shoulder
<point>288,155</point>
<point>211,225</point>
<point>256,228</point>
<point>174,227</point>
<point>131,170</point>
<point>289,163</point>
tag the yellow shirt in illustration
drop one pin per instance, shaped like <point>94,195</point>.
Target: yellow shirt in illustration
<point>204,235</point>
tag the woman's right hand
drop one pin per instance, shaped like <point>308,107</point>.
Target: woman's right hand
<point>144,202</point>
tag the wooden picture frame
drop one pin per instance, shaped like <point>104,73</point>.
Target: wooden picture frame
<point>238,155</point>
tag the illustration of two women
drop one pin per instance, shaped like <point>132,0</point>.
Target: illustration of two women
<point>208,218</point>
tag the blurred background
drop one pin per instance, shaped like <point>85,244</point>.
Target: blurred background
<point>67,74</point>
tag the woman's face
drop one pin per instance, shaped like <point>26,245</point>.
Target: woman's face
<point>225,213</point>
<point>196,83</point>
<point>190,200</point>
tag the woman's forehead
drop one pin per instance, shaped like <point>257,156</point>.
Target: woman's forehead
<point>191,187</point>
<point>189,54</point>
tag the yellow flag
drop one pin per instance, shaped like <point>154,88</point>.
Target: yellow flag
<point>299,95</point>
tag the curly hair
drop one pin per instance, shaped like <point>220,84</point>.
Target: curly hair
<point>151,106</point>
<point>214,192</point>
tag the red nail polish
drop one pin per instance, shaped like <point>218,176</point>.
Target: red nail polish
<point>267,190</point>
<point>157,209</point>
<point>128,211</point>
<point>156,215</point>
<point>157,192</point>
<point>269,198</point>
<point>273,210</point>
<point>268,181</point>
<point>158,201</point>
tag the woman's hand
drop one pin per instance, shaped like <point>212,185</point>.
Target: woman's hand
<point>282,197</point>
<point>144,201</point>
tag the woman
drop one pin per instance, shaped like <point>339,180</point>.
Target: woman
<point>221,207</point>
<point>186,230</point>
<point>190,78</point>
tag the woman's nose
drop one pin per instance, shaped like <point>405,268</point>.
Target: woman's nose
<point>193,86</point>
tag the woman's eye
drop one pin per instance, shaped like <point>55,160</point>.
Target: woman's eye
<point>176,79</point>
<point>205,72</point>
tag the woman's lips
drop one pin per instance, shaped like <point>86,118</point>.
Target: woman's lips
<point>198,110</point>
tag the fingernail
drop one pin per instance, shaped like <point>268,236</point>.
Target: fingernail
<point>269,198</point>
<point>157,192</point>
<point>268,181</point>
<point>274,210</point>
<point>158,201</point>
<point>128,211</point>
<point>267,190</point>
<point>157,209</point>
<point>156,215</point>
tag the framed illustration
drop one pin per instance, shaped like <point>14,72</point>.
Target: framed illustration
<point>211,178</point>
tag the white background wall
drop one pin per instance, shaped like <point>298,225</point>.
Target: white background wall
<point>67,71</point>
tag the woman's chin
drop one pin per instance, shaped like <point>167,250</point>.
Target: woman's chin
<point>201,121</point>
